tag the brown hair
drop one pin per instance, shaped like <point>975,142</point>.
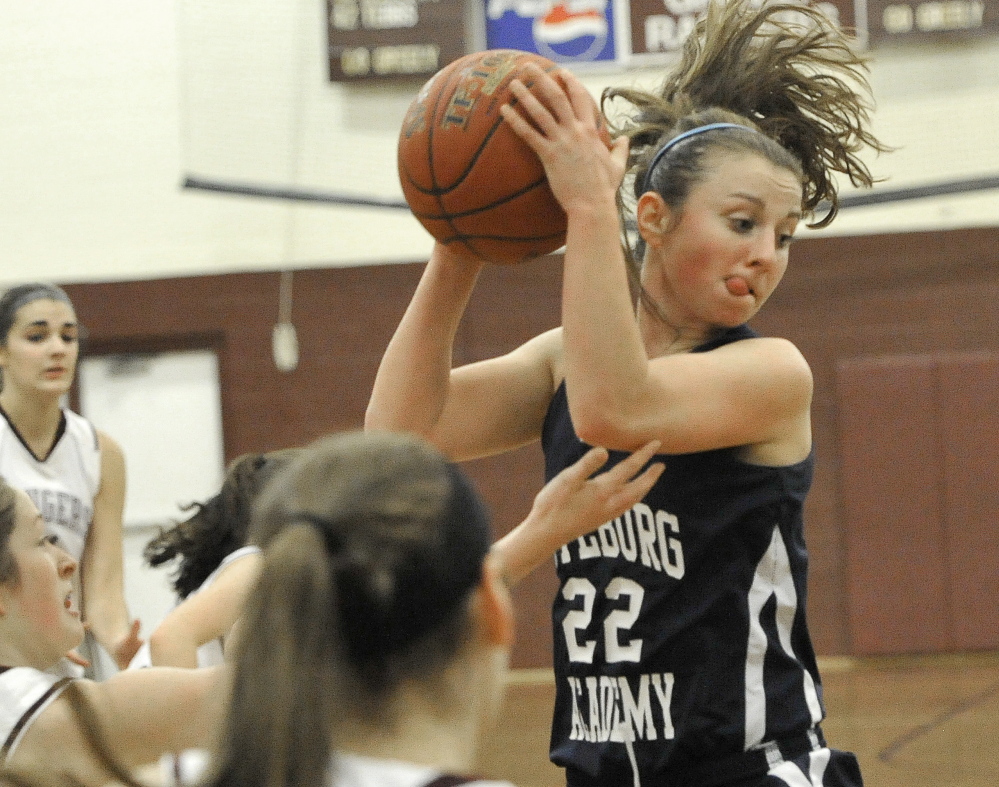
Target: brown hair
<point>372,545</point>
<point>783,70</point>
<point>219,525</point>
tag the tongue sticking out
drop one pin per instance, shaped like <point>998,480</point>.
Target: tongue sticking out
<point>737,285</point>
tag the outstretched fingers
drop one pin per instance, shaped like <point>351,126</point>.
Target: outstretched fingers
<point>589,500</point>
<point>559,120</point>
<point>626,483</point>
<point>552,100</point>
<point>530,119</point>
<point>576,502</point>
<point>583,105</point>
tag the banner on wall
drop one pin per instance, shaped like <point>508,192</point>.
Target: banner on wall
<point>393,38</point>
<point>566,31</point>
<point>659,27</point>
<point>888,20</point>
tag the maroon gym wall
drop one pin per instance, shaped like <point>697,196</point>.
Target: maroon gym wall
<point>844,302</point>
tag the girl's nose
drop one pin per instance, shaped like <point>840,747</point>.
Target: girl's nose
<point>66,564</point>
<point>764,250</point>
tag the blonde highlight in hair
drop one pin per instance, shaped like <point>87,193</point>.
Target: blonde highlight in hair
<point>783,69</point>
<point>278,731</point>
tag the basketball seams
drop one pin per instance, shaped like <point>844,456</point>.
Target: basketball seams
<point>468,181</point>
<point>444,214</point>
<point>441,96</point>
<point>436,189</point>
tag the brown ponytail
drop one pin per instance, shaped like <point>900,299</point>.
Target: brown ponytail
<point>278,729</point>
<point>373,544</point>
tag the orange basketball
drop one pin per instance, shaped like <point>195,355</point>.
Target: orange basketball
<point>467,177</point>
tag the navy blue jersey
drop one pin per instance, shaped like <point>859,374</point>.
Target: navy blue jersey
<point>680,626</point>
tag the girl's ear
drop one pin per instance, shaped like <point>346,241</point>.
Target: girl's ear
<point>653,216</point>
<point>495,606</point>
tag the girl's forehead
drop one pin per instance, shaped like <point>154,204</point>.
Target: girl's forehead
<point>26,505</point>
<point>750,173</point>
<point>723,163</point>
<point>45,310</point>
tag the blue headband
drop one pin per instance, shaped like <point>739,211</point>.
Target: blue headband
<point>680,138</point>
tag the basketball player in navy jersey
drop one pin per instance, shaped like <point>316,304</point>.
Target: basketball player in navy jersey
<point>682,654</point>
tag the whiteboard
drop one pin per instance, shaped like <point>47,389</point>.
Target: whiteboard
<point>165,410</point>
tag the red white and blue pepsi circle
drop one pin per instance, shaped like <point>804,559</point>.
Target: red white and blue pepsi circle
<point>566,31</point>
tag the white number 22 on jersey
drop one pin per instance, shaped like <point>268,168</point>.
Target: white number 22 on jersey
<point>616,624</point>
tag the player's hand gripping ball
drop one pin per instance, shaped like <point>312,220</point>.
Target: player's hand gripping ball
<point>467,177</point>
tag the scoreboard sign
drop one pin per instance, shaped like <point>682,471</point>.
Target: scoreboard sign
<point>888,20</point>
<point>393,38</point>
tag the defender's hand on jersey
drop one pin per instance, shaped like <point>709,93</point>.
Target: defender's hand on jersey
<point>574,503</point>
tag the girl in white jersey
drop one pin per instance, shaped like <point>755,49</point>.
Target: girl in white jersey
<point>74,473</point>
<point>144,713</point>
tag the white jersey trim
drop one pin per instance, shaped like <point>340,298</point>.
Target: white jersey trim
<point>773,579</point>
<point>24,694</point>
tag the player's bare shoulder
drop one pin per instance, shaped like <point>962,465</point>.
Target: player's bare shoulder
<point>548,348</point>
<point>786,384</point>
<point>785,363</point>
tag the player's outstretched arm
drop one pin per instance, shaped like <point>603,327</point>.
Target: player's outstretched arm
<point>411,387</point>
<point>204,616</point>
<point>573,503</point>
<point>102,565</point>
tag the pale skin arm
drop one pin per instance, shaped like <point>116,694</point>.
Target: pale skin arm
<point>475,410</point>
<point>573,504</point>
<point>101,568</point>
<point>204,616</point>
<point>750,393</point>
<point>189,705</point>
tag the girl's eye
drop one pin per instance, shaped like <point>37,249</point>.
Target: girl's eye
<point>742,226</point>
<point>785,241</point>
<point>69,338</point>
<point>50,540</point>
